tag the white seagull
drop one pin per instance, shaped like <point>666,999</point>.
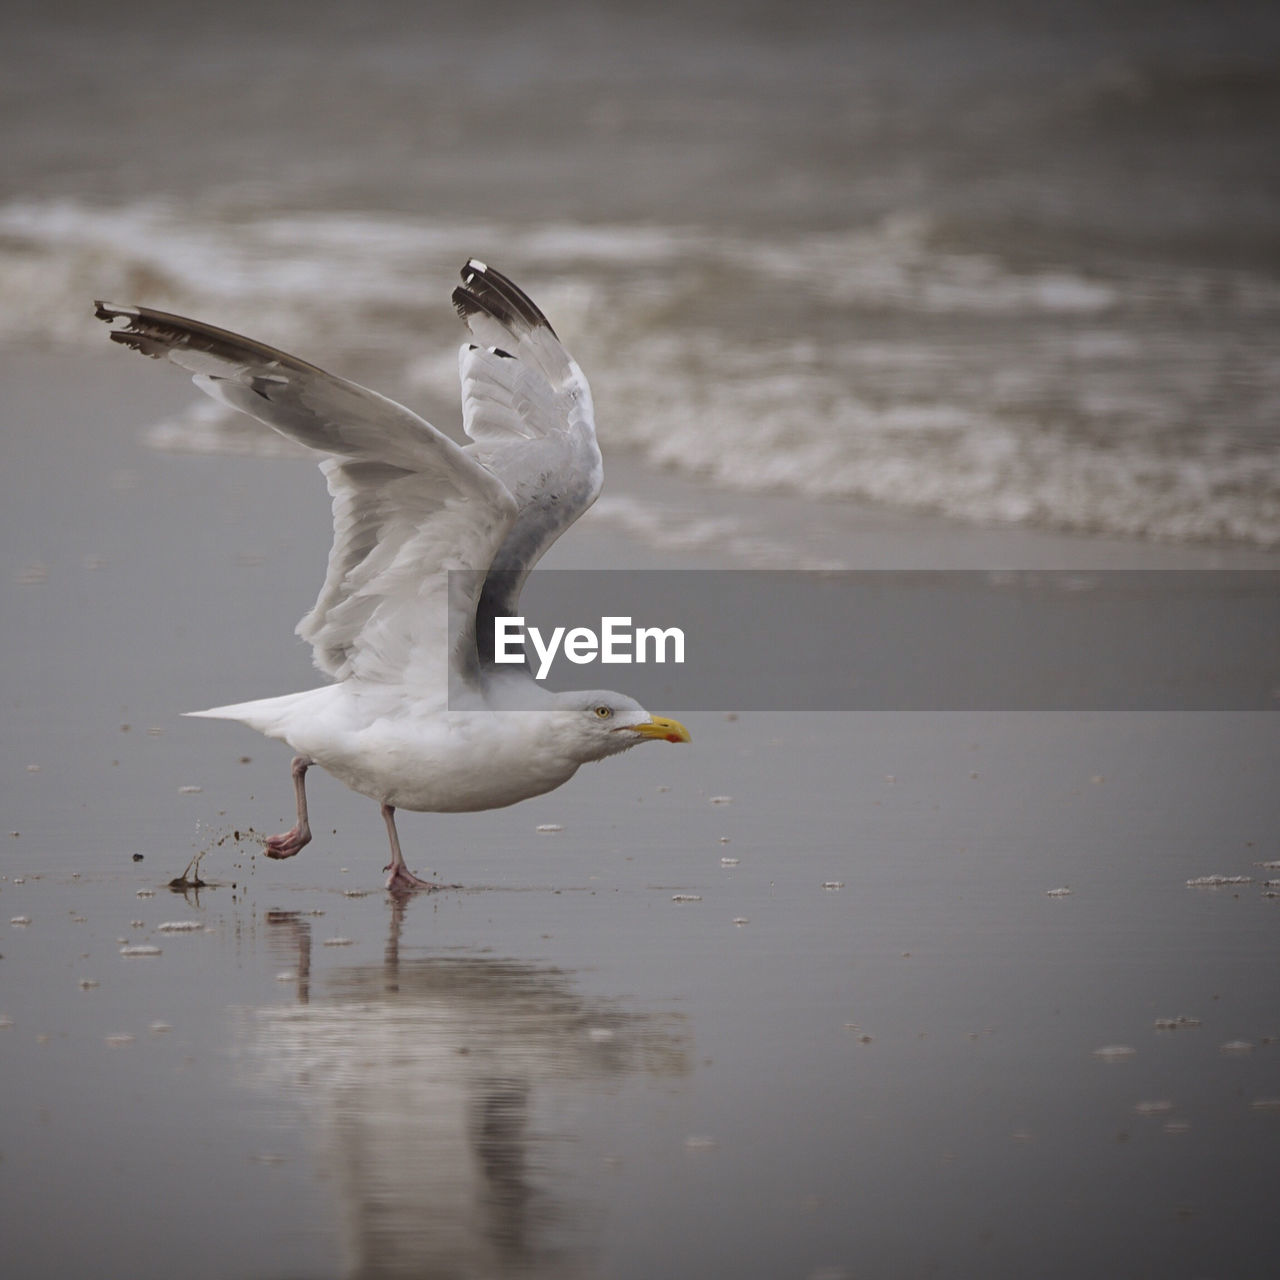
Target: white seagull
<point>419,716</point>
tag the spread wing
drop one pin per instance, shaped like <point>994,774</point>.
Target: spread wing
<point>527,408</point>
<point>408,503</point>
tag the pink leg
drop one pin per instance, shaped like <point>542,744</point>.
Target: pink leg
<point>287,843</point>
<point>401,878</point>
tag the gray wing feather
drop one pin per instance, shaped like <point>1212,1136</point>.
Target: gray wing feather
<point>527,407</point>
<point>406,500</point>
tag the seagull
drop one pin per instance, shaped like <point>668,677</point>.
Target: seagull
<point>418,714</point>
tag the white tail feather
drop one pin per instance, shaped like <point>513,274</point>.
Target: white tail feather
<point>268,716</point>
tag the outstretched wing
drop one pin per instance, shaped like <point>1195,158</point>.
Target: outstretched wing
<point>527,407</point>
<point>408,503</point>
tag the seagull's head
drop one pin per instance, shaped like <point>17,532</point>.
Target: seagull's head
<point>606,723</point>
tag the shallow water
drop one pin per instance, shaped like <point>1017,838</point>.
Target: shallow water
<point>618,1051</point>
<point>616,1055</point>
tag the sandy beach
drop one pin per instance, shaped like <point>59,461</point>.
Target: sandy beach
<point>821,994</point>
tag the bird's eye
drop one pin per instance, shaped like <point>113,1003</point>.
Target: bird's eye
<point>604,712</point>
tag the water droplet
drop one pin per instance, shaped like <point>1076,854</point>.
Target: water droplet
<point>117,1040</point>
<point>1063,892</point>
<point>141,949</point>
<point>181,926</point>
<point>686,897</point>
<point>833,884</point>
<point>20,920</point>
<point>190,790</point>
<point>720,800</point>
<point>729,862</point>
<point>338,942</point>
<point>1237,1046</point>
<point>741,919</point>
<point>547,827</point>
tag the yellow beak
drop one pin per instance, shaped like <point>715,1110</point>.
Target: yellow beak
<point>661,727</point>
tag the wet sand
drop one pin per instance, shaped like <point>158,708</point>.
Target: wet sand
<point>797,1000</point>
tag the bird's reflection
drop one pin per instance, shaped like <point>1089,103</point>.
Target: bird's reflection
<point>439,1088</point>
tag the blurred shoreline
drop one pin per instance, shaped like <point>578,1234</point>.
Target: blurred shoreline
<point>977,261</point>
<point>645,518</point>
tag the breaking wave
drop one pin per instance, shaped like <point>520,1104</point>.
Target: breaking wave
<point>880,363</point>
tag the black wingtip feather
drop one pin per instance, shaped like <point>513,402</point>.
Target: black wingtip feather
<point>158,333</point>
<point>126,337</point>
<point>485,290</point>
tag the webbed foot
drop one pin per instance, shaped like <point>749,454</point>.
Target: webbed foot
<point>288,843</point>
